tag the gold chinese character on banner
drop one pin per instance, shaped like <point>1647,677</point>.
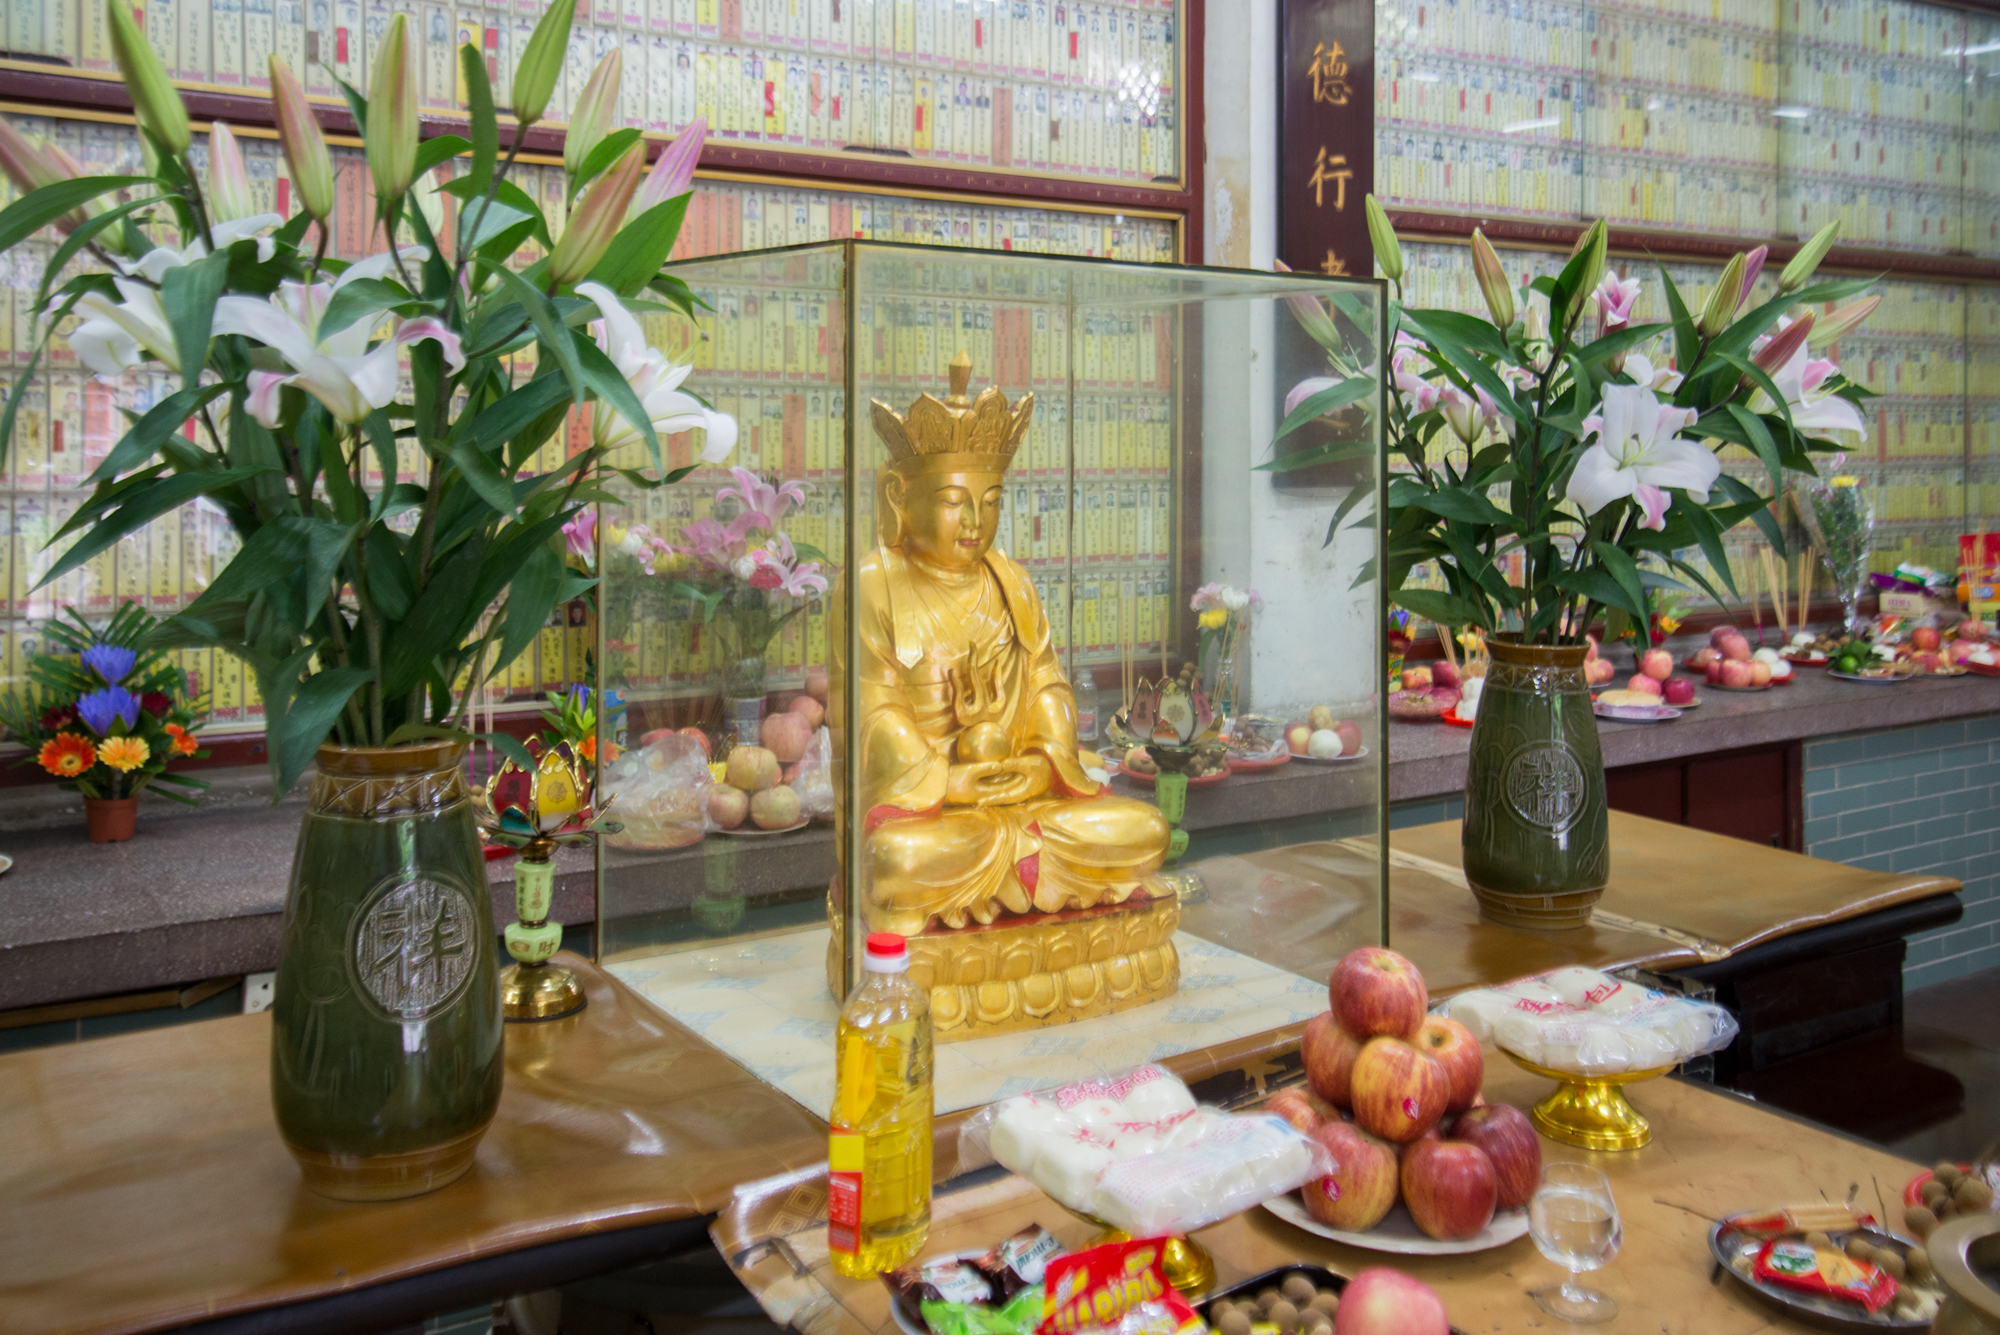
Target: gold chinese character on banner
<point>1334,265</point>
<point>1330,167</point>
<point>1329,74</point>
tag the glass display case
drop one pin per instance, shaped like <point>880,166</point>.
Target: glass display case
<point>1012,624</point>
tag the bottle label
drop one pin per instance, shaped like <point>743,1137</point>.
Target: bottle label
<point>844,1158</point>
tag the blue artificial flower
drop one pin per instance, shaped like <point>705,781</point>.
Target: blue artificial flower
<point>109,661</point>
<point>100,709</point>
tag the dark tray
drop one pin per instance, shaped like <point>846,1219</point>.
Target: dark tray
<point>1320,1276</point>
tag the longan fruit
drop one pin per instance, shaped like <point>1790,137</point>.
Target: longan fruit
<point>1920,1220</point>
<point>1265,1298</point>
<point>1971,1194</point>
<point>1299,1289</point>
<point>1933,1191</point>
<point>1946,1172</point>
<point>1891,1260</point>
<point>1283,1315</point>
<point>1327,1301</point>
<point>1857,1247</point>
<point>1918,1263</point>
<point>1945,1209</point>
<point>1318,1323</point>
<point>1219,1309</point>
<point>1233,1322</point>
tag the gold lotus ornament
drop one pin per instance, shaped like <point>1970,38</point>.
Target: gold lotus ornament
<point>536,810</point>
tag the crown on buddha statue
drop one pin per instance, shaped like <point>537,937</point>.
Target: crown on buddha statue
<point>978,435</point>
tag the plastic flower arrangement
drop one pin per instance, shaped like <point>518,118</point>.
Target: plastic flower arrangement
<point>372,612</point>
<point>102,715</point>
<point>1561,430</point>
<point>748,577</point>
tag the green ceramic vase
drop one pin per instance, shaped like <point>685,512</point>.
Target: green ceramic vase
<point>1535,839</point>
<point>386,1030</point>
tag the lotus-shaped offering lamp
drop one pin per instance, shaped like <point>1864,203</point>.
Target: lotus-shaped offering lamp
<point>1174,721</point>
<point>535,810</point>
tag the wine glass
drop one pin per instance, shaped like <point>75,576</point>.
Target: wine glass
<point>1575,1223</point>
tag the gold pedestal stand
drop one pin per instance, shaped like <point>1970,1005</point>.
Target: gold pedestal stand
<point>1188,1266</point>
<point>1589,1111</point>
<point>531,988</point>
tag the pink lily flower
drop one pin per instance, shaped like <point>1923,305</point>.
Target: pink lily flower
<point>580,535</point>
<point>762,501</point>
<point>1615,297</point>
<point>673,173</point>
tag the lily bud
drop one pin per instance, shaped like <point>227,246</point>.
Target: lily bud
<point>1492,280</point>
<point>1839,324</point>
<point>1592,245</point>
<point>542,62</point>
<point>155,101</point>
<point>597,219</point>
<point>595,113</point>
<point>1784,345</point>
<point>1753,265</point>
<point>25,159</point>
<point>1720,308</point>
<point>1382,237</point>
<point>1310,314</point>
<point>391,137</point>
<point>304,145</point>
<point>673,173</point>
<point>228,182</point>
<point>1807,260</point>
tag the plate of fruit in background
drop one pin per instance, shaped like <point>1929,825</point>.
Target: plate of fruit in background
<point>1633,707</point>
<point>1333,760</point>
<point>1829,1265</point>
<point>1257,764</point>
<point>1194,781</point>
<point>1427,1167</point>
<point>1876,678</point>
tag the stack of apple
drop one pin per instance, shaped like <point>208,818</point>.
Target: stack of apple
<point>1656,678</point>
<point>1729,661</point>
<point>1324,735</point>
<point>1421,1131</point>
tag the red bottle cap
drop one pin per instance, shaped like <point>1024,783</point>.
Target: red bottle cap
<point>886,953</point>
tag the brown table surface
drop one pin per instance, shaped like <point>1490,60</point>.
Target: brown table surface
<point>142,1183</point>
<point>1712,1154</point>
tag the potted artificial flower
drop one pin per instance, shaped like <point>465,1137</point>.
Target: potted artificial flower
<point>1560,430</point>
<point>374,614</point>
<point>105,716</point>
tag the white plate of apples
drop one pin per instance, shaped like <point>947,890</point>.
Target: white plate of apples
<point>1427,1166</point>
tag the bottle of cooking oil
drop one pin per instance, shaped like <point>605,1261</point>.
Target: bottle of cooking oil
<point>879,1152</point>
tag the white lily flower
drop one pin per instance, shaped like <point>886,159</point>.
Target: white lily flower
<point>340,370</point>
<point>1813,413</point>
<point>1643,372</point>
<point>654,379</point>
<point>1638,454</point>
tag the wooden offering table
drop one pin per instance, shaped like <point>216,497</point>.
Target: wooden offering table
<point>1713,1154</point>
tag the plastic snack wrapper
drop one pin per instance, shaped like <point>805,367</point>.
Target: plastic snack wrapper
<point>1584,1022</point>
<point>1019,1315</point>
<point>1119,1288</point>
<point>1825,1271</point>
<point>814,781</point>
<point>658,793</point>
<point>1135,1152</point>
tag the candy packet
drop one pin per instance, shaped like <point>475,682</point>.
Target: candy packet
<point>1019,1315</point>
<point>1825,1271</point>
<point>1119,1288</point>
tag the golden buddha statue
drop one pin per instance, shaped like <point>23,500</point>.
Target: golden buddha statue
<point>1028,895</point>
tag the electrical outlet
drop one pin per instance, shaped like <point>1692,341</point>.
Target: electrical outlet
<point>257,990</point>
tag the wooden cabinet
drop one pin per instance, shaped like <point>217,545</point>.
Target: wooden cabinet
<point>1750,794</point>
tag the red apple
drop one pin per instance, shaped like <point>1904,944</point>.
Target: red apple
<point>1925,638</point>
<point>727,806</point>
<point>1509,1139</point>
<point>1735,672</point>
<point>1399,1093</point>
<point>1350,736</point>
<point>1362,1189</point>
<point>1444,673</point>
<point>1376,991</point>
<point>1302,1108</point>
<point>1703,657</point>
<point>1297,737</point>
<point>811,710</point>
<point>1760,673</point>
<point>1679,691</point>
<point>701,739</point>
<point>817,684</point>
<point>785,736</point>
<point>1599,671</point>
<point>1971,630</point>
<point>1643,684</point>
<point>1733,645</point>
<point>1657,664</point>
<point>1381,1301</point>
<point>1713,672</point>
<point>1417,678</point>
<point>1329,1053</point>
<point>1452,1046</point>
<point>1450,1188</point>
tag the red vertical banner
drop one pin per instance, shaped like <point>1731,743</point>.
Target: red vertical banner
<point>1326,138</point>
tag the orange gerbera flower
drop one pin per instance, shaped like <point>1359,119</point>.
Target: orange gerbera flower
<point>184,742</point>
<point>124,754</point>
<point>174,730</point>
<point>67,755</point>
<point>587,749</point>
